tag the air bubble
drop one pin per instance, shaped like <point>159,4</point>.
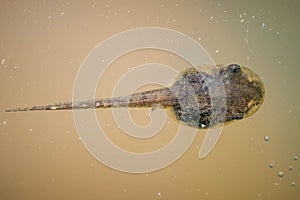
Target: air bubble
<point>293,184</point>
<point>266,138</point>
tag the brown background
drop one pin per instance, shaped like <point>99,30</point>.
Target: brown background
<point>43,43</point>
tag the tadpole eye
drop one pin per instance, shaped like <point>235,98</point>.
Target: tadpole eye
<point>235,68</point>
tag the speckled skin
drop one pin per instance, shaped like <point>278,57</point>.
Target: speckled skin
<point>243,94</point>
<point>191,96</point>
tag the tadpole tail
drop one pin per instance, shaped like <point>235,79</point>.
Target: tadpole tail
<point>59,106</point>
<point>153,98</point>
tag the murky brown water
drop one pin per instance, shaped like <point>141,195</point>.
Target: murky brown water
<point>42,45</point>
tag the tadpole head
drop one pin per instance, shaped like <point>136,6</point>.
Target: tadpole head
<point>242,95</point>
<point>245,91</point>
